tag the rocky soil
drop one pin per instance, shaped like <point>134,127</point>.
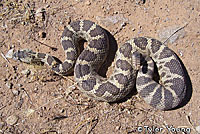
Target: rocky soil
<point>33,100</point>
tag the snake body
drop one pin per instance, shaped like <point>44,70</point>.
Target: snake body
<point>129,68</point>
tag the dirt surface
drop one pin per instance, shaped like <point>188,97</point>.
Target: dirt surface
<point>35,100</point>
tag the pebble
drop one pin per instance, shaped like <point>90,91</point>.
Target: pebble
<point>15,92</point>
<point>2,124</point>
<point>42,34</point>
<point>26,72</point>
<point>29,112</point>
<point>139,2</point>
<point>88,3</point>
<point>35,89</point>
<point>111,20</point>
<point>9,85</point>
<point>12,120</point>
<point>9,54</point>
<point>117,127</point>
<point>40,13</point>
<point>164,34</point>
<point>198,129</point>
<point>180,52</point>
<point>19,85</point>
<point>18,105</point>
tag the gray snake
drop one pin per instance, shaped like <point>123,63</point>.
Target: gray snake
<point>129,69</point>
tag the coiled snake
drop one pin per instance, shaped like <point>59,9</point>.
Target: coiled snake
<point>128,71</point>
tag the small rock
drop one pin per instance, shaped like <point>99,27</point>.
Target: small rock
<point>9,54</point>
<point>198,129</point>
<point>172,32</point>
<point>12,46</point>
<point>139,2</point>
<point>5,79</point>
<point>15,92</point>
<point>42,34</point>
<point>47,6</point>
<point>40,13</point>
<point>69,89</point>
<point>111,20</point>
<point>180,52</point>
<point>123,24</point>
<point>29,112</point>
<point>133,29</point>
<point>9,85</point>
<point>12,120</point>
<point>26,72</point>
<point>18,105</point>
<point>19,85</point>
<point>62,110</point>
<point>2,124</point>
<point>88,3</point>
<point>35,89</point>
<point>117,127</point>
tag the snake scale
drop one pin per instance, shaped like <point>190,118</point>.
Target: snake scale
<point>129,69</point>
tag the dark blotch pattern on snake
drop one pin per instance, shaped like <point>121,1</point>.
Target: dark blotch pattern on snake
<point>128,71</point>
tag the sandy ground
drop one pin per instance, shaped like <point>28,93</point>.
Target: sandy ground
<point>35,100</point>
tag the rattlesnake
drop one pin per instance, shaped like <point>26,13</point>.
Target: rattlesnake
<point>129,69</point>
